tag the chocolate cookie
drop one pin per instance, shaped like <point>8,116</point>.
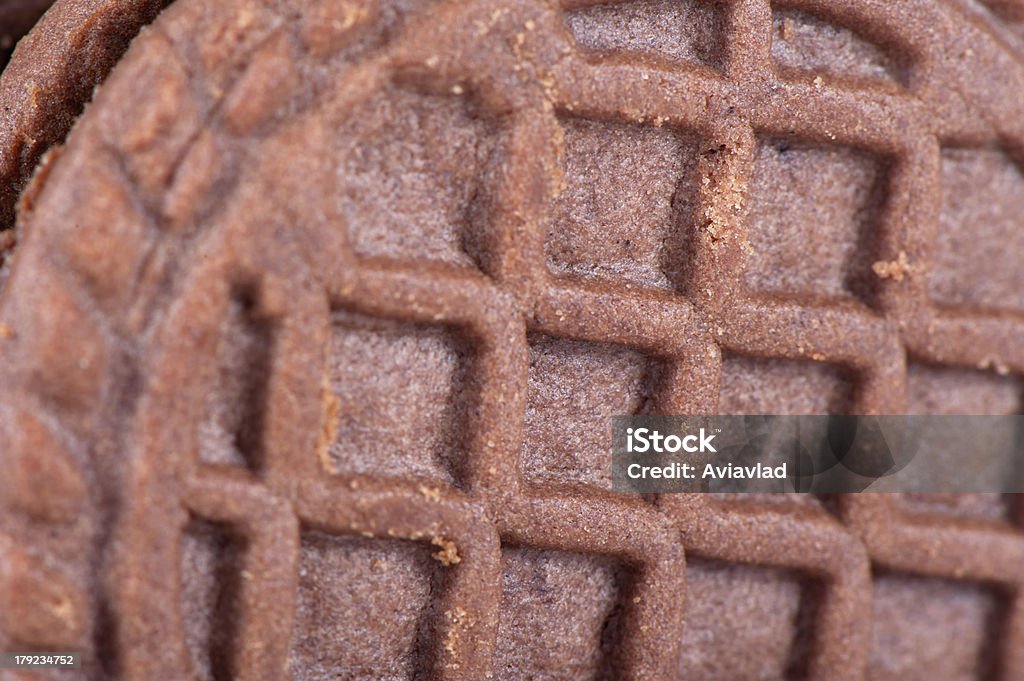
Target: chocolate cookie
<point>52,76</point>
<point>309,352</point>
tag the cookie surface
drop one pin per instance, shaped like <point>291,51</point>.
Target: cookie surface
<point>345,291</point>
<point>52,76</point>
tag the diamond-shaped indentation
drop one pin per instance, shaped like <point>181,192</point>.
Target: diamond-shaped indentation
<point>765,612</point>
<point>345,584</point>
<point>230,433</point>
<point>927,628</point>
<point>757,385</point>
<point>979,239</point>
<point>410,174</point>
<point>943,390</point>
<point>804,42</point>
<point>951,391</point>
<point>813,217</point>
<point>400,397</point>
<point>628,191</point>
<point>558,615</point>
<point>210,573</point>
<point>677,30</point>
<point>575,387</point>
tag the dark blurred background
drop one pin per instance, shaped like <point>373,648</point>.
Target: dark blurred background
<point>16,18</point>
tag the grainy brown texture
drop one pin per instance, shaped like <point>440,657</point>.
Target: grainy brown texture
<point>51,77</point>
<point>304,347</point>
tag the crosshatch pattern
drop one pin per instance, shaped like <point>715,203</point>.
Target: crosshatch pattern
<point>682,320</point>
